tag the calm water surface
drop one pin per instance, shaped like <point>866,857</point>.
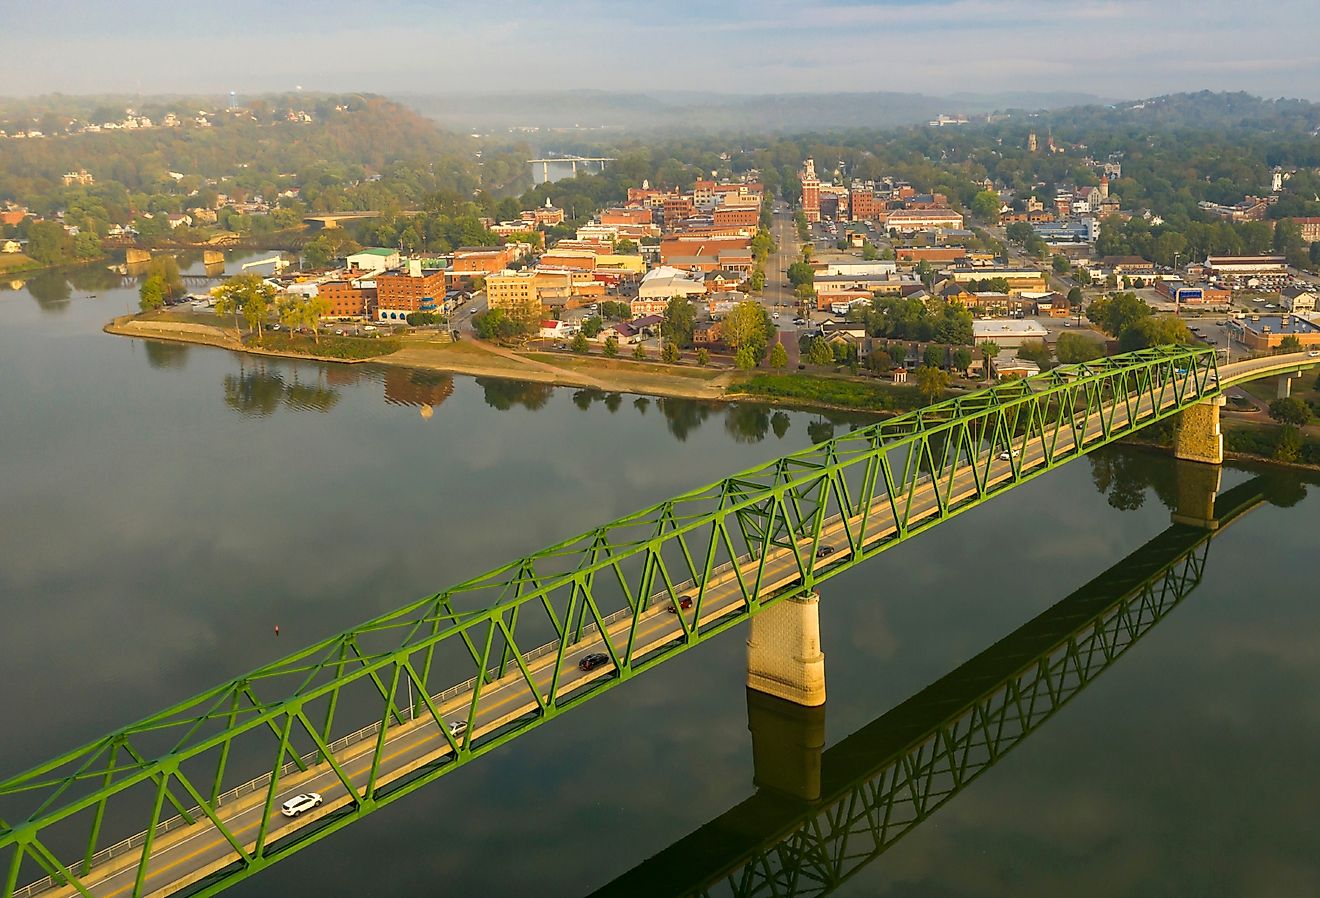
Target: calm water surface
<point>164,507</point>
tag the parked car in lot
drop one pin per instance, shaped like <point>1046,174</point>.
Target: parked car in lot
<point>299,803</point>
<point>593,661</point>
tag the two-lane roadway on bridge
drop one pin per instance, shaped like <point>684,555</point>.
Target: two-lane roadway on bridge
<point>187,854</point>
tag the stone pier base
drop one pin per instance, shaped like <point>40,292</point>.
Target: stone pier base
<point>1199,437</point>
<point>783,651</point>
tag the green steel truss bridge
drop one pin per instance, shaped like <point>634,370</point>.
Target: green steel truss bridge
<point>884,780</point>
<point>187,799</point>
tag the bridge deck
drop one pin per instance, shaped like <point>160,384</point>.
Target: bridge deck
<point>184,855</point>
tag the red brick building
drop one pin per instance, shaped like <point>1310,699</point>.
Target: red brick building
<point>736,216</point>
<point>398,294</point>
<point>1310,229</point>
<point>346,299</point>
<point>810,191</point>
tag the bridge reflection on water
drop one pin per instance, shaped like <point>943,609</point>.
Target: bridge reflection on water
<point>818,818</point>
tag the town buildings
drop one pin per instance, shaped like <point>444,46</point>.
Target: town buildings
<point>1239,272</point>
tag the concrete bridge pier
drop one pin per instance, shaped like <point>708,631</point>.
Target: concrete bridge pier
<point>1198,486</point>
<point>783,651</point>
<point>1199,437</point>
<point>787,741</point>
<point>1285,383</point>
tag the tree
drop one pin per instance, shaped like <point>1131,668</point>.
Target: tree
<point>1036,351</point>
<point>247,295</point>
<point>748,326</point>
<point>1019,231</point>
<point>778,356</point>
<point>820,352</point>
<point>925,273</point>
<point>869,252</point>
<point>611,347</point>
<point>985,205</point>
<point>639,352</point>
<point>1075,297</point>
<point>745,358</point>
<point>1290,343</point>
<point>1290,410</point>
<point>680,319</point>
<point>933,356</point>
<point>1288,449</point>
<point>151,294</point>
<point>1117,312</point>
<point>703,357</point>
<point>328,246</point>
<point>931,382</point>
<point>1151,331</point>
<point>498,324</point>
<point>615,311</point>
<point>1073,349</point>
<point>962,358</point>
<point>579,343</point>
<point>314,309</point>
<point>626,247</point>
<point>48,243</point>
<point>592,326</point>
<point>800,273</point>
<point>291,312</point>
<point>989,349</point>
<point>669,353</point>
<point>1060,264</point>
<point>166,267</point>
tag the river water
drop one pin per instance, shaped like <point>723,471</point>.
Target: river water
<point>163,508</point>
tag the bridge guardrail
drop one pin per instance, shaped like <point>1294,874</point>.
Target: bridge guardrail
<point>309,759</point>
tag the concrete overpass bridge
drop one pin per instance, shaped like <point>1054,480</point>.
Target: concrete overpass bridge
<point>185,801</point>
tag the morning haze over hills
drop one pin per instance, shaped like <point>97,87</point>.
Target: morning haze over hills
<point>317,312</point>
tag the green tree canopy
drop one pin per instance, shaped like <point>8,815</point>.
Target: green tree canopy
<point>1290,410</point>
<point>1075,348</point>
<point>680,320</point>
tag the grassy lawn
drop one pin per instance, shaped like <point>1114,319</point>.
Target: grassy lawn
<point>330,346</point>
<point>622,365</point>
<point>831,391</point>
<point>16,262</point>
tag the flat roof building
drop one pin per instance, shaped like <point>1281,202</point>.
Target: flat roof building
<point>1006,332</point>
<point>1269,331</point>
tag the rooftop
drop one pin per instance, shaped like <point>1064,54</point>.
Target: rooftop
<point>1278,324</point>
<point>1006,327</point>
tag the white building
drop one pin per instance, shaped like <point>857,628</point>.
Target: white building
<point>375,259</point>
<point>1007,332</point>
<point>665,283</point>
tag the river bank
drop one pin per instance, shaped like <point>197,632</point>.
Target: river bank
<point>469,357</point>
<point>477,358</point>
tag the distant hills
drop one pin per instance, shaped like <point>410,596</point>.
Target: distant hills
<point>597,109</point>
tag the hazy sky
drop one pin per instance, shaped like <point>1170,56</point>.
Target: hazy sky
<point>1115,48</point>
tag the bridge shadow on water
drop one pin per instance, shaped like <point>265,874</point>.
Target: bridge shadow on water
<point>818,818</point>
